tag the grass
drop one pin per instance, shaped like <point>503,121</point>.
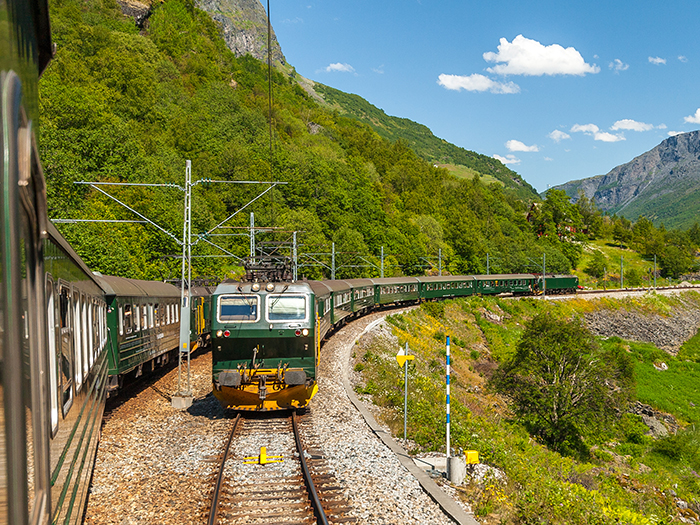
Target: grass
<point>631,259</point>
<point>628,475</point>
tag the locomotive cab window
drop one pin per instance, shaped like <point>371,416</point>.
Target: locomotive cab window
<point>286,308</point>
<point>238,308</point>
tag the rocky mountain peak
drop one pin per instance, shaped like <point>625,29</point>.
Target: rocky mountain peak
<point>663,184</point>
<point>244,27</point>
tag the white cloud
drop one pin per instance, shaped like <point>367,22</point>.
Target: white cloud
<point>379,69</point>
<point>683,58</point>
<point>594,131</point>
<point>510,159</point>
<point>558,136</point>
<point>693,119</point>
<point>516,145</point>
<point>342,68</point>
<point>618,65</point>
<point>548,159</point>
<point>661,126</point>
<point>476,82</point>
<point>674,133</point>
<point>631,125</point>
<point>585,128</point>
<point>524,56</point>
<point>657,60</point>
<point>604,136</point>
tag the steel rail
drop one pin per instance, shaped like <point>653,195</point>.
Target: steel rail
<point>213,512</point>
<point>315,500</point>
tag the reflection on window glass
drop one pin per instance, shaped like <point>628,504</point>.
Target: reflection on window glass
<point>286,307</point>
<point>238,308</point>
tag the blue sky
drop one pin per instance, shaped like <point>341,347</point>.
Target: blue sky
<point>557,90</point>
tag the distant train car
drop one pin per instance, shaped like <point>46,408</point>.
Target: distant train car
<point>144,326</point>
<point>264,345</point>
<point>556,284</point>
<point>441,287</point>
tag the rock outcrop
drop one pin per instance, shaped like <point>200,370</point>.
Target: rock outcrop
<point>666,332</point>
<point>244,27</point>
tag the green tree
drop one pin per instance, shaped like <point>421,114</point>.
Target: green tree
<point>597,265</point>
<point>561,384</point>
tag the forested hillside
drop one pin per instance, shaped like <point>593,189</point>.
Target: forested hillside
<point>424,143</point>
<point>124,105</point>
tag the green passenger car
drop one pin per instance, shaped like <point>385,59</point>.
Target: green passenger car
<point>144,325</point>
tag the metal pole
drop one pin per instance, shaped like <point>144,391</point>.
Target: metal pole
<point>654,272</point>
<point>448,398</point>
<point>189,270</point>
<point>333,263</point>
<point>440,261</point>
<point>381,274</point>
<point>405,395</point>
<point>605,277</point>
<point>296,276</point>
<point>252,237</point>
<point>183,399</point>
<point>487,265</point>
<point>544,275</point>
<point>622,276</point>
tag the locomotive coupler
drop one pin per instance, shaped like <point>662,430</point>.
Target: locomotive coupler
<point>262,388</point>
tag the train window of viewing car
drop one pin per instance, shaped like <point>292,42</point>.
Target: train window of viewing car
<point>121,320</point>
<point>85,333</point>
<point>328,306</point>
<point>156,313</point>
<point>144,317</point>
<point>168,314</point>
<point>128,319</point>
<point>77,342</point>
<point>66,355</point>
<point>150,316</point>
<point>137,318</point>
<point>239,308</point>
<point>53,366</point>
<point>286,308</point>
<point>92,314</point>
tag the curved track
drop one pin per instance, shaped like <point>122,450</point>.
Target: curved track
<point>264,477</point>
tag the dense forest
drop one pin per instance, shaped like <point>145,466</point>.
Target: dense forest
<point>123,104</point>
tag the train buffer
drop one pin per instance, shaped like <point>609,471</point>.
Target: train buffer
<point>263,458</point>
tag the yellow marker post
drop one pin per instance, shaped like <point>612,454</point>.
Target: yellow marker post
<point>402,358</point>
<point>263,458</point>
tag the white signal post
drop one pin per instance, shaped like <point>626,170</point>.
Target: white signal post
<point>447,399</point>
<point>402,358</point>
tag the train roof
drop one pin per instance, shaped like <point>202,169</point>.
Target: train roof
<point>444,278</point>
<point>123,287</point>
<point>394,280</point>
<point>42,32</point>
<point>60,241</point>
<point>504,276</point>
<point>230,286</point>
<point>338,285</point>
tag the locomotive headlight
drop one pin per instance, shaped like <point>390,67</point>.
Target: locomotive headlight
<point>305,332</point>
<point>219,333</point>
<point>255,287</point>
<point>270,287</point>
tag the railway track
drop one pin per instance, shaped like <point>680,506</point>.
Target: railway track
<point>267,475</point>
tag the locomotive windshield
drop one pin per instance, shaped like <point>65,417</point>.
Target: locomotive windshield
<point>238,308</point>
<point>286,308</point>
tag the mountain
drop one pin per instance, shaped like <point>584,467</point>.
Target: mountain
<point>461,162</point>
<point>662,184</point>
<point>244,28</point>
